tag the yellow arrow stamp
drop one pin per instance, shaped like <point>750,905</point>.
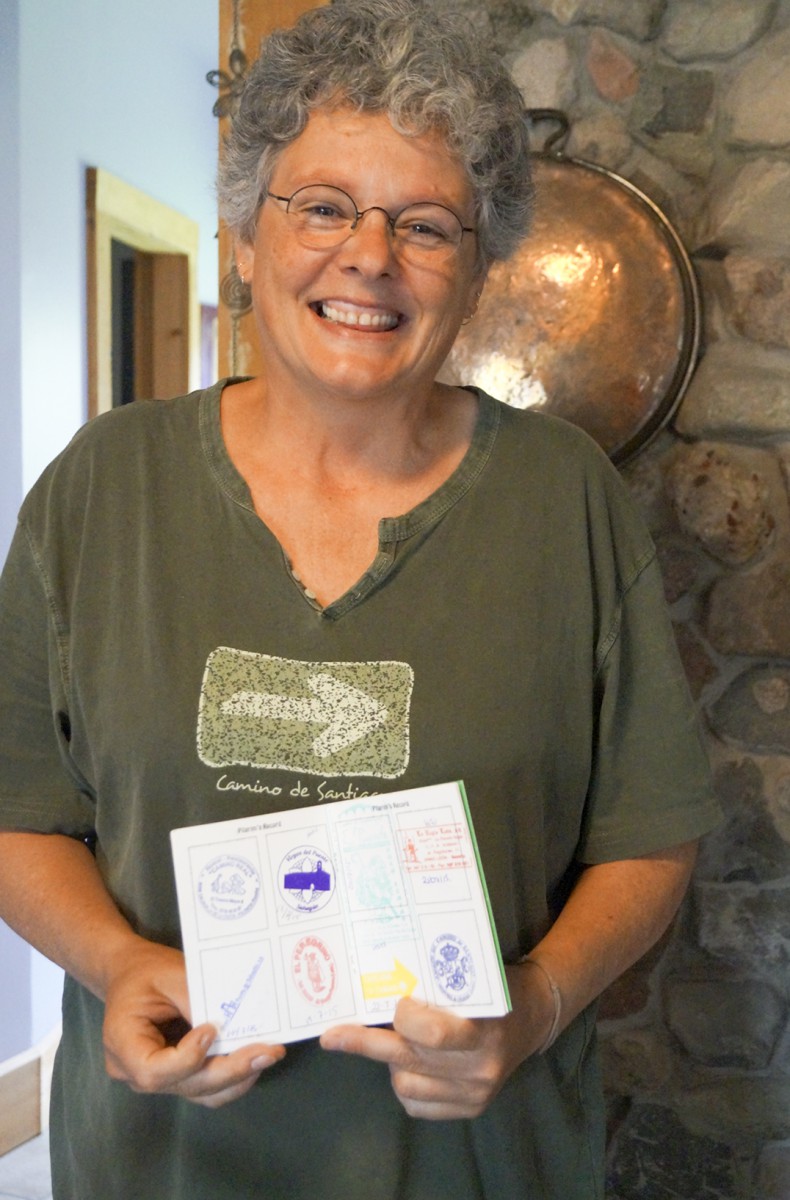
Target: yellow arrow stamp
<point>381,985</point>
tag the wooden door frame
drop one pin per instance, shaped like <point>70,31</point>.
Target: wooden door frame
<point>115,209</point>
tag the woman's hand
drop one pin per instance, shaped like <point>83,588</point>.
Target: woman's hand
<point>148,1043</point>
<point>147,1040</point>
<point>444,1067</point>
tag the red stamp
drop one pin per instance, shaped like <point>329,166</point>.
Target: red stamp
<point>434,848</point>
<point>313,969</point>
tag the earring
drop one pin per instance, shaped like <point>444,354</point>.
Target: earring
<point>471,314</point>
<point>235,292</point>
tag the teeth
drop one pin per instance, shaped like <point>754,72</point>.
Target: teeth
<point>366,320</point>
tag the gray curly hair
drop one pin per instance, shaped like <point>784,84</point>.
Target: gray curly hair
<point>426,69</point>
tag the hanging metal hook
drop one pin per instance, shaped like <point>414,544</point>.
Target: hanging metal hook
<point>555,141</point>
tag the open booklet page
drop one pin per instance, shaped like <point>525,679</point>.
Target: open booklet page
<point>299,920</point>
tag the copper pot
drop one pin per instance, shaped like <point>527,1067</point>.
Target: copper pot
<point>597,317</point>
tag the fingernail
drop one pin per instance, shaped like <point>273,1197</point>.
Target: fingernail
<point>207,1038</point>
<point>262,1062</point>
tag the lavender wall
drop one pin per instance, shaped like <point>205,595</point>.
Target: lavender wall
<point>82,83</point>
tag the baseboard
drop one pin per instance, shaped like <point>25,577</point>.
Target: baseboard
<point>20,1105</point>
<point>25,1082</point>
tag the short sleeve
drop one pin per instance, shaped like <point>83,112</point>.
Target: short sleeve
<point>39,790</point>
<point>651,786</point>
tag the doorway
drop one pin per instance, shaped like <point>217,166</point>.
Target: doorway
<point>150,323</point>
<point>144,324</point>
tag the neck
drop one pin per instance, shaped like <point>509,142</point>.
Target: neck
<point>385,437</point>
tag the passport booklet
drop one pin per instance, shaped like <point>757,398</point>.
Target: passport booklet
<point>299,920</point>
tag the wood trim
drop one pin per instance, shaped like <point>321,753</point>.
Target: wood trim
<point>25,1083</point>
<point>238,351</point>
<point>20,1105</point>
<point>115,209</point>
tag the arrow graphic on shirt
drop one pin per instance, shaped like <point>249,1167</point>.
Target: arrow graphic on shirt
<point>347,712</point>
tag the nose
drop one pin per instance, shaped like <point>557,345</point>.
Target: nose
<point>371,244</point>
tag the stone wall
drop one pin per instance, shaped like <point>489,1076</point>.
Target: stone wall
<point>690,100</point>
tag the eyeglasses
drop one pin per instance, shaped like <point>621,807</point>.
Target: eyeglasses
<point>325,216</point>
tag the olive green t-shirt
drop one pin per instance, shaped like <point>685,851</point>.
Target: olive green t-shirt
<point>510,632</point>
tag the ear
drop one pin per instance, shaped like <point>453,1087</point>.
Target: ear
<point>244,253</point>
<point>475,292</point>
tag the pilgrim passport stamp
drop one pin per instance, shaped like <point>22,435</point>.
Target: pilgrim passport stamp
<point>298,920</point>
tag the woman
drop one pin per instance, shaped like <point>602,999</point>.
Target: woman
<point>480,570</point>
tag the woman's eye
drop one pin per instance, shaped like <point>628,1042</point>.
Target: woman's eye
<point>424,231</point>
<point>322,212</point>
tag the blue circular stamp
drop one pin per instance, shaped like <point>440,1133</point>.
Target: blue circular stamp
<point>228,886</point>
<point>453,968</point>
<point>307,879</point>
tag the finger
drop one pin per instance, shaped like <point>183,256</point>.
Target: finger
<point>438,1097</point>
<point>186,1069</point>
<point>174,1062</point>
<point>432,1027</point>
<point>214,1100</point>
<point>227,1077</point>
<point>140,1053</point>
<point>419,1031</point>
<point>223,1071</point>
<point>434,1111</point>
<point>377,1044</point>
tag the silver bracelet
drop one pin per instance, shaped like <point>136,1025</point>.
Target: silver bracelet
<point>556,996</point>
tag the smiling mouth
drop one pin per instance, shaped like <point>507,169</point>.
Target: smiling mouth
<point>357,318</point>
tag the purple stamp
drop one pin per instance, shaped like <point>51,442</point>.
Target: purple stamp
<point>453,968</point>
<point>228,886</point>
<point>307,879</point>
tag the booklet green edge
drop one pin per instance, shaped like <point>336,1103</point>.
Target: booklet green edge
<point>484,885</point>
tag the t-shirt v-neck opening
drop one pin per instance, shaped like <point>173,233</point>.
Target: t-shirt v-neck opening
<point>393,531</point>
